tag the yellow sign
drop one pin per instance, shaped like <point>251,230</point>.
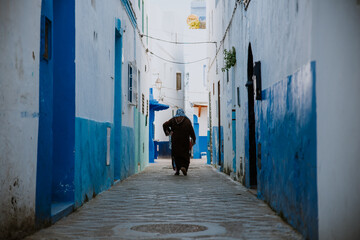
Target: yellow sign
<point>192,18</point>
<point>193,21</point>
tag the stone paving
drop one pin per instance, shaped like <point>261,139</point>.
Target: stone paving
<point>155,204</point>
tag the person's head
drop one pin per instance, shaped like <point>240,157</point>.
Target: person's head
<point>180,113</point>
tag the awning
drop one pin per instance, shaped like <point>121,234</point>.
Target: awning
<point>156,106</point>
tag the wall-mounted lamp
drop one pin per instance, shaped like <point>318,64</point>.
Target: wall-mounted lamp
<point>158,83</point>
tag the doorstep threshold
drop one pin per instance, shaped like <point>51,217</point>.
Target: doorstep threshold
<point>60,210</point>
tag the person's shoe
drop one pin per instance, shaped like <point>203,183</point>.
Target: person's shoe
<point>183,170</point>
<point>177,173</point>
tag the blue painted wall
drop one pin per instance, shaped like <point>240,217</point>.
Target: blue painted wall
<point>127,165</point>
<point>117,98</point>
<point>55,166</point>
<point>196,147</point>
<point>64,101</point>
<point>234,139</point>
<point>215,146</point>
<point>247,145</point>
<point>286,129</point>
<point>91,173</point>
<point>202,141</point>
<point>152,146</point>
<point>208,148</point>
<point>164,149</point>
<point>45,135</point>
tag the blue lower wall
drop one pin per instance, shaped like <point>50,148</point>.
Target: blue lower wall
<point>91,173</point>
<point>164,149</point>
<point>127,166</point>
<point>286,130</point>
<point>215,146</point>
<point>202,141</point>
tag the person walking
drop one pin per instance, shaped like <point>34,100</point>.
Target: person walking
<point>182,139</point>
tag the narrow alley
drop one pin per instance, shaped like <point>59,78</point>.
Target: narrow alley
<point>96,97</point>
<point>155,204</point>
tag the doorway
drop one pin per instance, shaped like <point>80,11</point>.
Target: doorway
<point>219,126</point>
<point>117,99</point>
<point>55,189</point>
<point>251,117</point>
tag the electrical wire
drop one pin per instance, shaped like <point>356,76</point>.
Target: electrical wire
<point>175,62</point>
<point>225,34</point>
<point>167,41</point>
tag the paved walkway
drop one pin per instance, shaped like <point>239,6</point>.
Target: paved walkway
<point>155,204</point>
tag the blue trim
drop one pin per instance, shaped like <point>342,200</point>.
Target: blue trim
<point>118,99</point>
<point>45,133</point>
<point>286,129</point>
<point>208,148</point>
<point>234,138</point>
<point>55,165</point>
<point>64,102</point>
<point>196,147</point>
<point>129,11</point>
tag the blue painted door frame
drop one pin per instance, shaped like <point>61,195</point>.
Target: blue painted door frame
<point>234,138</point>
<point>117,99</point>
<point>56,136</point>
<point>196,148</point>
<point>45,133</point>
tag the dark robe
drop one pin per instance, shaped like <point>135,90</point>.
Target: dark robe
<point>180,129</point>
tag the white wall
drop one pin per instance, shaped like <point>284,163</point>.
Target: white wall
<point>282,44</point>
<point>95,36</point>
<point>336,50</point>
<point>164,22</point>
<point>95,58</point>
<point>19,111</point>
<point>168,21</point>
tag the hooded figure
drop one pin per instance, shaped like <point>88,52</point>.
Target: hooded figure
<point>181,130</point>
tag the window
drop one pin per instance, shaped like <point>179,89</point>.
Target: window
<point>213,88</point>
<point>139,4</point>
<point>47,40</point>
<point>238,96</point>
<point>130,83</point>
<point>178,81</point>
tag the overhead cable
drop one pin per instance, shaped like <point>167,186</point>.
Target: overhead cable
<point>174,42</point>
<point>175,62</point>
<point>225,34</point>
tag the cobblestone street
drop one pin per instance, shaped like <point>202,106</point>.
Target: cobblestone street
<point>155,204</point>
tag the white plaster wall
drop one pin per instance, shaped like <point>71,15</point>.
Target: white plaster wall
<point>95,36</point>
<point>282,44</point>
<point>336,50</point>
<point>19,109</point>
<point>95,60</point>
<point>165,23</point>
